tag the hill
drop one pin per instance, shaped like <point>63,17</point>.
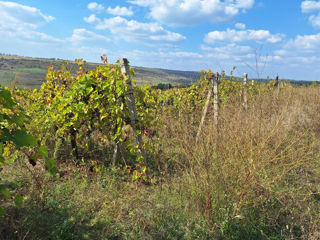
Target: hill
<point>30,72</point>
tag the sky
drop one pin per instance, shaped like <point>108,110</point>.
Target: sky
<point>260,37</point>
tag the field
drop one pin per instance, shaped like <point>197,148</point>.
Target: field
<point>31,72</point>
<point>254,175</point>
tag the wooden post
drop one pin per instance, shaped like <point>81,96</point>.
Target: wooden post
<point>115,154</point>
<point>118,148</point>
<point>206,106</point>
<point>216,100</point>
<point>245,91</point>
<point>277,81</point>
<point>124,64</point>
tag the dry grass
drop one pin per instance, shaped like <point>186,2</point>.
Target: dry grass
<point>260,164</point>
<point>255,177</point>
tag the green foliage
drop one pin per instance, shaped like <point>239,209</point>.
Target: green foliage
<point>12,124</point>
<point>181,101</point>
<point>88,109</point>
<point>13,135</point>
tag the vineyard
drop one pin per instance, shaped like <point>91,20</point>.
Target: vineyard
<point>91,155</point>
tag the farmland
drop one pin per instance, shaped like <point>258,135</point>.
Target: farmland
<point>77,172</point>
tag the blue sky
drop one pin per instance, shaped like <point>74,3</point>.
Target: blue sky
<point>260,37</point>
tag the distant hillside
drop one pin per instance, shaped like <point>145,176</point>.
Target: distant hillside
<point>31,72</point>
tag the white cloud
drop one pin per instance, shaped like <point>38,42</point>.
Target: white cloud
<point>19,21</point>
<point>29,34</point>
<point>281,52</point>
<point>191,12</point>
<point>18,24</point>
<point>120,11</point>
<point>299,57</point>
<point>229,51</point>
<point>17,16</point>
<point>243,3</point>
<point>217,58</point>
<point>91,19</point>
<point>231,35</point>
<point>310,6</point>
<point>240,26</point>
<point>81,34</point>
<point>93,6</point>
<point>165,55</point>
<point>40,36</point>
<point>166,59</point>
<point>315,20</point>
<point>185,54</point>
<point>305,43</point>
<point>232,49</point>
<point>138,31</point>
<point>226,57</point>
<point>277,58</point>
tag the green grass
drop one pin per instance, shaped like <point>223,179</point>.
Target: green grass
<point>32,71</point>
<point>107,206</point>
<point>7,78</point>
